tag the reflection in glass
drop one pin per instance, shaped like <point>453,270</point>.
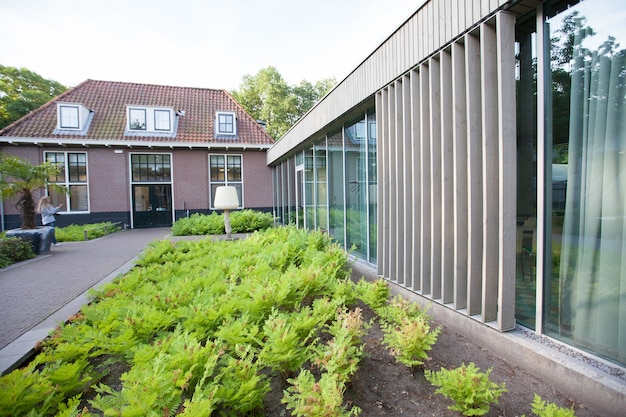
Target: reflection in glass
<point>321,195</point>
<point>586,284</point>
<point>355,144</point>
<point>526,242</point>
<point>335,186</point>
<point>309,186</point>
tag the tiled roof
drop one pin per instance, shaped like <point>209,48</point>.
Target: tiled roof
<point>108,101</point>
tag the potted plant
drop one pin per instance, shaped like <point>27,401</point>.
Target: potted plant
<point>20,179</point>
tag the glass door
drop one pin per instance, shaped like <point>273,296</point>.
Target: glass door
<point>152,205</point>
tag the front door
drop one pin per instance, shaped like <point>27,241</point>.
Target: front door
<point>152,205</point>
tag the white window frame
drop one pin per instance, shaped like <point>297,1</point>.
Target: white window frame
<point>218,123</point>
<point>161,120</point>
<point>226,181</point>
<point>67,207</point>
<point>153,119</point>
<point>65,117</point>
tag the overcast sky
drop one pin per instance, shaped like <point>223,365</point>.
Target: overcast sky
<point>194,43</point>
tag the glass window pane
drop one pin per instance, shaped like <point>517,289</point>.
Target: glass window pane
<point>77,167</point>
<point>321,194</point>
<point>162,120</point>
<point>79,200</point>
<point>137,119</point>
<point>526,243</point>
<point>586,289</point>
<point>234,168</point>
<point>372,183</point>
<point>335,186</point>
<point>218,168</point>
<point>57,158</point>
<point>355,183</point>
<point>226,123</point>
<point>69,117</point>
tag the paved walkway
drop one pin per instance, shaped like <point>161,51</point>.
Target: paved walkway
<point>37,295</point>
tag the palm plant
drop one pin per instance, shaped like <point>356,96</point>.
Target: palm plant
<point>20,178</point>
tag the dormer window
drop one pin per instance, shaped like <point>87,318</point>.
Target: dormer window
<point>150,121</point>
<point>226,124</point>
<point>72,118</point>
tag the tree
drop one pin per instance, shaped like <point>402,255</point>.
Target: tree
<point>22,91</point>
<point>267,96</point>
<point>20,178</point>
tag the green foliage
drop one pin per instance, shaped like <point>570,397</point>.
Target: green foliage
<point>324,398</point>
<point>471,390</point>
<point>199,326</point>
<point>375,294</point>
<point>248,221</point>
<point>544,409</point>
<point>76,233</point>
<point>267,96</point>
<point>199,224</point>
<point>14,250</point>
<point>283,350</point>
<point>407,331</point>
<point>22,91</point>
<point>241,221</point>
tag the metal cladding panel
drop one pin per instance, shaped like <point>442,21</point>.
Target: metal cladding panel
<point>434,24</point>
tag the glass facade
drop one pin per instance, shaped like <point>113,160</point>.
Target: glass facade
<point>334,186</point>
<point>571,273</point>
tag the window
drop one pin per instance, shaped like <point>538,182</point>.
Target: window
<point>225,170</point>
<point>69,117</point>
<point>73,175</point>
<point>226,124</point>
<point>137,119</point>
<point>577,296</point>
<point>150,121</point>
<point>151,167</point>
<point>72,119</point>
<point>162,120</point>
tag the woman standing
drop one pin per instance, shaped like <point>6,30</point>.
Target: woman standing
<point>48,211</point>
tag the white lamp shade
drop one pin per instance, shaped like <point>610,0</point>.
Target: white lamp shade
<point>226,198</point>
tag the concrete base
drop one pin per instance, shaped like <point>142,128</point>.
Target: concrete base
<point>40,238</point>
<point>585,383</point>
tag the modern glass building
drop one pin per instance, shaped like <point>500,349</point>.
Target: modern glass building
<point>477,159</point>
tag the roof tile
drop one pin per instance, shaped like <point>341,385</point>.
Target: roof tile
<point>108,101</point>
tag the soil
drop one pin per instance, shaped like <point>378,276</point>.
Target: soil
<point>382,387</point>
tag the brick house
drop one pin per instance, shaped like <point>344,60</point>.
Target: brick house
<point>142,154</point>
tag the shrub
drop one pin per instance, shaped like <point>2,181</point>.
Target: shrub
<point>241,221</point>
<point>248,221</point>
<point>199,224</point>
<point>76,233</point>
<point>407,331</point>
<point>14,250</point>
<point>471,390</point>
<point>544,409</point>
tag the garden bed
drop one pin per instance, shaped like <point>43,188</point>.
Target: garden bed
<point>262,326</point>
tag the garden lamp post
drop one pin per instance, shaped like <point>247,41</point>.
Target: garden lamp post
<point>226,199</point>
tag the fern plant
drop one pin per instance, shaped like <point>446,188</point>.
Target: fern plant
<point>471,390</point>
<point>307,397</point>
<point>542,408</point>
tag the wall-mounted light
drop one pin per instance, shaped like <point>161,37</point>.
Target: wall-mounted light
<point>226,199</point>
<point>119,151</point>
